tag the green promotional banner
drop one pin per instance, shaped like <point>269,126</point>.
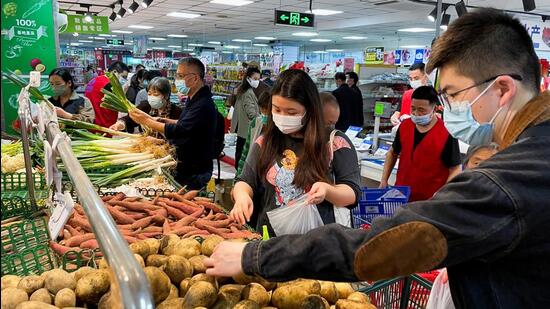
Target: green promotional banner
<point>28,42</point>
<point>77,23</point>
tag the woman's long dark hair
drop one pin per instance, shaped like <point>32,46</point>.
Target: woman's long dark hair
<point>65,76</point>
<point>313,164</point>
<point>245,85</point>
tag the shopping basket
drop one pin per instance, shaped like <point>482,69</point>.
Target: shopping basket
<point>400,293</point>
<point>379,202</point>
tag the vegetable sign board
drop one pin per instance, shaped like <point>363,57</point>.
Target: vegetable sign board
<point>28,43</point>
<point>76,23</point>
<point>294,19</point>
<point>374,55</point>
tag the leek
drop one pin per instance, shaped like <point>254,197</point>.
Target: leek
<point>136,170</point>
<point>90,126</point>
<point>116,99</point>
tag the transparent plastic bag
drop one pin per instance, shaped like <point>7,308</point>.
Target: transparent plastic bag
<point>440,296</point>
<point>297,217</point>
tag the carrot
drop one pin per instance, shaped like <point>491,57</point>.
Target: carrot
<point>106,198</point>
<point>90,244</point>
<point>181,206</point>
<point>191,194</point>
<point>142,223</point>
<point>119,216</point>
<point>203,199</point>
<point>75,241</point>
<point>218,224</point>
<point>210,205</point>
<point>166,228</point>
<point>178,214</point>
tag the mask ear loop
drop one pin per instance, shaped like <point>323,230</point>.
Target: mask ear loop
<point>482,93</point>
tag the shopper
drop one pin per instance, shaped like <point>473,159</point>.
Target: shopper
<point>89,74</point>
<point>488,226</point>
<point>140,67</point>
<point>147,77</point>
<point>358,117</point>
<point>346,99</point>
<point>103,116</point>
<point>266,78</point>
<point>136,84</point>
<point>478,154</point>
<point>352,79</point>
<point>246,109</point>
<point>428,155</point>
<point>194,132</point>
<point>417,78</point>
<point>331,109</point>
<point>292,157</point>
<point>69,104</point>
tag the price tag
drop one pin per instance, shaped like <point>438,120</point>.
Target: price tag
<point>34,79</point>
<point>382,150</point>
<point>365,145</point>
<point>63,207</point>
<point>352,132</point>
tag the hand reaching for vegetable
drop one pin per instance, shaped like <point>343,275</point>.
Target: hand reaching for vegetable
<point>226,260</point>
<point>318,193</point>
<point>242,210</point>
<point>139,116</point>
<point>63,114</point>
<point>117,126</point>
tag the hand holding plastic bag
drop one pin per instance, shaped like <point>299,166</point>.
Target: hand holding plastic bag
<point>297,217</point>
<point>440,296</point>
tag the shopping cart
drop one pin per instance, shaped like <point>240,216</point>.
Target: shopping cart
<point>400,293</point>
<point>378,202</point>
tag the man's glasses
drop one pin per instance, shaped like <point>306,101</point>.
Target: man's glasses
<point>182,76</point>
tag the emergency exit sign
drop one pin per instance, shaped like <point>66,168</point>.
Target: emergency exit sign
<point>294,19</point>
<point>114,42</point>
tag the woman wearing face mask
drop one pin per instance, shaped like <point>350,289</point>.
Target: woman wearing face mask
<point>293,157</point>
<point>246,109</point>
<point>68,103</point>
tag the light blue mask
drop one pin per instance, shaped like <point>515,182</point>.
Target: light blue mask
<point>422,120</point>
<point>181,86</point>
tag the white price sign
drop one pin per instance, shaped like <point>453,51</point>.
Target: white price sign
<point>382,150</point>
<point>64,205</point>
<point>352,132</point>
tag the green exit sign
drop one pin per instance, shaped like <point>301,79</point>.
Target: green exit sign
<point>294,19</point>
<point>114,42</point>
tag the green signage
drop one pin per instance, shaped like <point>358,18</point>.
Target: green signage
<point>379,108</point>
<point>28,42</point>
<point>77,23</point>
<point>294,19</point>
<point>114,42</point>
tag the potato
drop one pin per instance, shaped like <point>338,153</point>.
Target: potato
<point>257,293</point>
<point>10,281</point>
<point>359,297</point>
<point>246,279</point>
<point>30,284</point>
<point>315,302</point>
<point>91,287</point>
<point>140,260</point>
<point>171,303</point>
<point>11,297</point>
<point>291,296</point>
<point>233,289</point>
<point>42,295</point>
<point>344,289</point>
<point>350,304</point>
<point>174,292</point>
<point>198,264</point>
<point>329,291</point>
<point>178,268</point>
<point>34,305</point>
<point>184,287</point>
<point>209,244</point>
<point>58,279</point>
<point>141,247</point>
<point>160,283</point>
<point>154,245</point>
<point>65,298</point>
<point>269,308</point>
<point>168,240</point>
<point>156,260</point>
<point>203,277</point>
<point>226,300</point>
<point>83,271</point>
<point>103,264</point>
<point>200,294</point>
<point>187,248</point>
<point>106,301</point>
<point>247,304</point>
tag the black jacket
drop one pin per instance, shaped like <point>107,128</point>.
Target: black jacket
<point>346,99</point>
<point>358,117</point>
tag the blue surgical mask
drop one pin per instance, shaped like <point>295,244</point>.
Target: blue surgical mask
<point>461,124</point>
<point>155,101</point>
<point>145,84</point>
<point>422,120</point>
<point>181,86</point>
<point>59,90</point>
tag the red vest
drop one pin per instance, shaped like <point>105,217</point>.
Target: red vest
<point>103,117</point>
<point>422,169</point>
<point>406,102</point>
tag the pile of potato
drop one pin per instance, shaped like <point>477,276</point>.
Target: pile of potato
<point>176,273</point>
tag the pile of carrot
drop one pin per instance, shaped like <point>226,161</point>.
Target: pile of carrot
<point>185,215</point>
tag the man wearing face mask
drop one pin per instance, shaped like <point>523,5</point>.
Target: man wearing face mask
<point>194,132</point>
<point>417,78</point>
<point>428,155</point>
<point>488,225</point>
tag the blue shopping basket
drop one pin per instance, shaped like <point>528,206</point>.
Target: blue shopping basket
<point>376,203</point>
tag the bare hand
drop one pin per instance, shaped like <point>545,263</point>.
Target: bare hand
<point>242,210</point>
<point>395,118</point>
<point>444,276</point>
<point>383,184</point>
<point>63,114</point>
<point>117,126</point>
<point>318,193</point>
<point>138,116</point>
<point>226,261</point>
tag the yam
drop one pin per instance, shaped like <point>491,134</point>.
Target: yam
<point>315,302</point>
<point>174,292</point>
<point>200,294</point>
<point>203,277</point>
<point>156,260</point>
<point>245,279</point>
<point>11,297</point>
<point>141,247</point>
<point>160,283</point>
<point>42,295</point>
<point>10,281</point>
<point>291,296</point>
<point>65,298</point>
<point>350,304</point>
<point>344,289</point>
<point>83,271</point>
<point>209,244</point>
<point>257,293</point>
<point>359,297</point>
<point>93,286</point>
<point>184,287</point>
<point>171,303</point>
<point>58,279</point>
<point>198,264</point>
<point>329,291</point>
<point>178,268</point>
<point>247,304</point>
<point>187,248</point>
<point>34,305</point>
<point>30,284</point>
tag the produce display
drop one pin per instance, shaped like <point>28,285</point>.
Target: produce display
<point>12,157</point>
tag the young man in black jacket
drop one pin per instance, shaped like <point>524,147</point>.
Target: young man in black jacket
<point>346,99</point>
<point>358,117</point>
<point>489,225</point>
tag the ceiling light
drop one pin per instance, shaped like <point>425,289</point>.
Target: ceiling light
<point>112,17</point>
<point>161,48</point>
<point>460,8</point>
<point>319,52</point>
<point>195,44</point>
<point>133,7</point>
<point>174,46</point>
<point>306,34</point>
<point>214,42</point>
<point>322,12</point>
<point>192,54</point>
<point>354,37</point>
<point>231,46</point>
<point>445,21</point>
<point>88,17</point>
<point>105,35</point>
<point>335,50</point>
<point>75,34</point>
<point>122,31</point>
<point>183,15</point>
<point>188,49</point>
<point>85,41</point>
<point>529,5</point>
<point>75,44</point>
<point>121,12</point>
<point>266,38</point>
<point>232,2</point>
<point>432,15</point>
<point>157,39</point>
<point>320,40</point>
<point>177,35</point>
<point>146,3</point>
<point>241,40</point>
<point>227,52</point>
<point>140,27</point>
<point>261,45</point>
<point>128,43</point>
<point>416,30</point>
<point>91,37</point>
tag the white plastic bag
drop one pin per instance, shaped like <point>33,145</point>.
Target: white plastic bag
<point>295,218</point>
<point>440,296</point>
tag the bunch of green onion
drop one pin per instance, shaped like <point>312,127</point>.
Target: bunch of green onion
<point>76,124</point>
<point>116,99</point>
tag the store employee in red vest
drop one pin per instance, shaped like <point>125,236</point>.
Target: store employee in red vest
<point>417,78</point>
<point>428,155</point>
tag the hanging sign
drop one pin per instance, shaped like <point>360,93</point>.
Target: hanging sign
<point>76,23</point>
<point>374,55</point>
<point>114,42</point>
<point>294,19</point>
<point>540,34</point>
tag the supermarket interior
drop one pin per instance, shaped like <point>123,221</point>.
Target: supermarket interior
<point>275,154</point>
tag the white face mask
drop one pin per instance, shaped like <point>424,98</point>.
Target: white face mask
<point>288,124</point>
<point>253,83</point>
<point>155,101</point>
<point>416,83</point>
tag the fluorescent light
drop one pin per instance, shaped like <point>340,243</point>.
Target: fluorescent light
<point>412,46</point>
<point>85,41</point>
<point>188,49</point>
<point>174,46</point>
<point>128,43</point>
<point>177,35</point>
<point>195,44</point>
<point>265,38</point>
<point>214,42</point>
<point>320,40</point>
<point>241,40</point>
<point>75,44</point>
<point>98,38</point>
<point>306,34</point>
<point>232,2</point>
<point>227,52</point>
<point>140,27</point>
<point>106,35</point>
<point>146,3</point>
<point>161,48</point>
<point>335,50</point>
<point>354,37</point>
<point>192,54</point>
<point>183,15</point>
<point>322,12</point>
<point>231,46</point>
<point>157,39</point>
<point>122,31</point>
<point>90,37</point>
<point>319,52</point>
<point>416,30</point>
<point>75,34</point>
<point>260,45</point>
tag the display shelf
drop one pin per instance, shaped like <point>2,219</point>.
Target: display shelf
<point>381,96</point>
<point>221,93</point>
<point>227,80</point>
<point>388,82</point>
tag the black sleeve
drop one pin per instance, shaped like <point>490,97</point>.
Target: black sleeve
<point>130,124</point>
<point>345,165</point>
<point>451,153</point>
<point>396,146</point>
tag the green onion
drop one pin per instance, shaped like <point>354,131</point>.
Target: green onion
<point>90,126</point>
<point>116,99</point>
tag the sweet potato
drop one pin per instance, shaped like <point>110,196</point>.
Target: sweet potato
<point>180,231</point>
<point>134,206</point>
<point>186,208</point>
<point>72,230</point>
<point>210,205</point>
<point>200,294</point>
<point>185,221</point>
<point>120,217</point>
<point>166,228</point>
<point>142,223</point>
<point>12,297</point>
<point>90,244</point>
<point>219,224</point>
<point>199,233</point>
<point>190,194</point>
<point>172,211</point>
<point>75,241</point>
<point>81,222</point>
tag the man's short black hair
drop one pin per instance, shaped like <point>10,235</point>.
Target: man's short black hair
<point>353,76</point>
<point>196,64</point>
<point>118,66</point>
<point>140,66</point>
<point>340,76</point>
<point>418,66</point>
<point>150,74</point>
<point>427,93</point>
